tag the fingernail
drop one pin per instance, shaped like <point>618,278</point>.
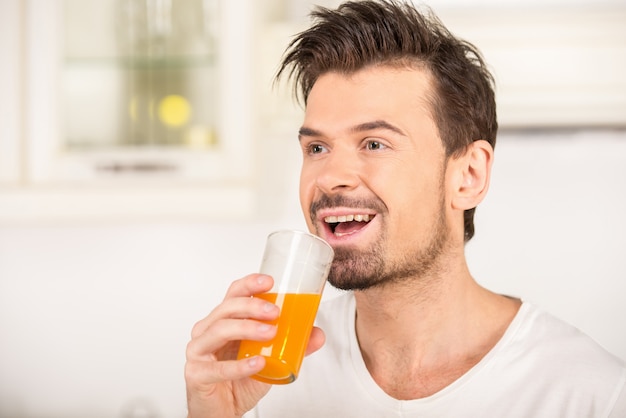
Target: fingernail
<point>264,327</point>
<point>253,361</point>
<point>268,307</point>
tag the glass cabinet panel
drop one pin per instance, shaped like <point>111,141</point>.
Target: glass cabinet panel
<point>139,73</point>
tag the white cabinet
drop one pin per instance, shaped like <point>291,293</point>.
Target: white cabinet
<point>10,99</point>
<point>100,120</point>
<point>554,66</point>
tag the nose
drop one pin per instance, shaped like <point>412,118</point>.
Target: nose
<point>339,172</point>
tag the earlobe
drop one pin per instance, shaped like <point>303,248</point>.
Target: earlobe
<point>474,172</point>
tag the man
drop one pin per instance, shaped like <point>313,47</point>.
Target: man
<point>399,130</point>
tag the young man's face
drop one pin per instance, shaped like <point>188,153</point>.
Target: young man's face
<point>372,181</point>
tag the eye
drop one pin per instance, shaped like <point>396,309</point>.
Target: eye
<point>315,149</point>
<point>374,145</point>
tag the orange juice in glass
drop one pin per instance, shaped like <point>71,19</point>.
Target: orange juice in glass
<point>299,263</point>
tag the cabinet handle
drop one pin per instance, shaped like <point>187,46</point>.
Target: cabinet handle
<point>136,167</point>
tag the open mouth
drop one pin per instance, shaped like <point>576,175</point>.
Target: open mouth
<point>347,224</point>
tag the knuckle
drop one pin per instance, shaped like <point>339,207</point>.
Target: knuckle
<point>191,351</point>
<point>197,329</point>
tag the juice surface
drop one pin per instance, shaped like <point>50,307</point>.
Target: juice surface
<point>284,353</point>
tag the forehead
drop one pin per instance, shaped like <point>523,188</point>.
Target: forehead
<point>372,93</point>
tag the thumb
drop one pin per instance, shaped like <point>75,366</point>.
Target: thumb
<point>316,340</point>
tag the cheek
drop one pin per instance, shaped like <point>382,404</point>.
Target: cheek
<point>398,184</point>
<point>413,196</point>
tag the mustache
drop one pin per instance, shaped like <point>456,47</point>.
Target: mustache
<point>326,202</point>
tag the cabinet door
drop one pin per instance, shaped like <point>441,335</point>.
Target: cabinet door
<point>10,86</point>
<point>120,121</point>
<point>126,89</point>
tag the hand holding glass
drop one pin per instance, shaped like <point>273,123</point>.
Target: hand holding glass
<point>299,264</point>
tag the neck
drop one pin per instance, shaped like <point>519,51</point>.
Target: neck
<point>417,310</point>
<point>419,335</point>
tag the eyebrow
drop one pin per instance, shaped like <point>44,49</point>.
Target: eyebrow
<point>362,127</point>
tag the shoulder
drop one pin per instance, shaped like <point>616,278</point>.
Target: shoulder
<point>563,357</point>
<point>544,367</point>
<point>542,333</point>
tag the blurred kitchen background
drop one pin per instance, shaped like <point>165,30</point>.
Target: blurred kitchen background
<point>145,155</point>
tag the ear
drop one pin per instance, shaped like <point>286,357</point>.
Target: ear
<point>472,172</point>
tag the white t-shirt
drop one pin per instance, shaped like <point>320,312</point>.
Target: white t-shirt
<point>541,367</point>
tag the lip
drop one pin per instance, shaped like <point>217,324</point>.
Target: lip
<point>349,239</point>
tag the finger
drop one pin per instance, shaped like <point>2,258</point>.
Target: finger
<point>210,372</point>
<point>243,308</point>
<point>238,302</point>
<point>316,340</point>
<point>227,331</point>
<point>249,285</point>
<point>237,308</point>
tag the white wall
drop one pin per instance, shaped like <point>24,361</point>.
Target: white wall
<point>94,317</point>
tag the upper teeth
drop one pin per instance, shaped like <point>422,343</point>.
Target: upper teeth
<point>347,218</point>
